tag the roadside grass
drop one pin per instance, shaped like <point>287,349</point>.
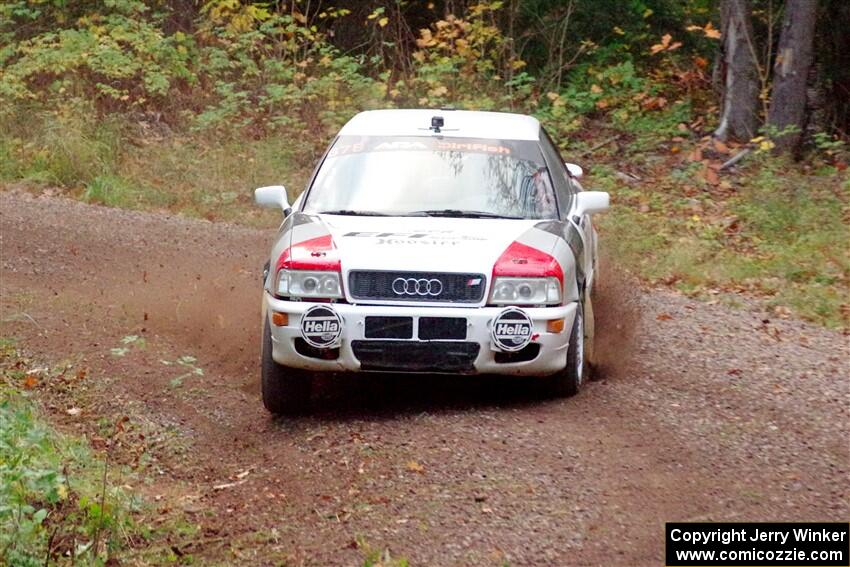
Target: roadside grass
<point>770,231</point>
<point>62,500</point>
<point>131,164</point>
<point>55,498</point>
<point>59,147</point>
<point>215,179</point>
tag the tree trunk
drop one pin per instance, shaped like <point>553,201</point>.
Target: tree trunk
<point>791,72</point>
<point>739,118</point>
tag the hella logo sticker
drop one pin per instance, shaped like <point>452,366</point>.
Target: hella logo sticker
<point>321,327</point>
<point>512,330</point>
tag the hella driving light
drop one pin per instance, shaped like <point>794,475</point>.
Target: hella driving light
<point>308,284</point>
<point>525,291</point>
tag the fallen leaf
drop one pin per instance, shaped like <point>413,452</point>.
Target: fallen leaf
<point>413,466</point>
<point>695,155</point>
<point>30,382</point>
<point>229,485</point>
<point>654,103</point>
<point>664,317</point>
<point>782,311</point>
<point>720,146</point>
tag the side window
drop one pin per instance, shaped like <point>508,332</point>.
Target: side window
<point>560,176</point>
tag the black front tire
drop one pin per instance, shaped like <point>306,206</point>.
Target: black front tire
<point>568,382</point>
<point>286,391</point>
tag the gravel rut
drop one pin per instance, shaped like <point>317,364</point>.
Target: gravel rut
<point>703,412</point>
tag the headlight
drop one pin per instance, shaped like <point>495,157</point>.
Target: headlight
<point>302,283</point>
<point>525,291</point>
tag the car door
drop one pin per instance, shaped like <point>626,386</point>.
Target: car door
<point>577,230</point>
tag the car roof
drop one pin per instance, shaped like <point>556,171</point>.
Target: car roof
<point>457,124</point>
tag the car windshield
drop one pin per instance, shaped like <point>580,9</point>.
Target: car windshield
<point>435,176</point>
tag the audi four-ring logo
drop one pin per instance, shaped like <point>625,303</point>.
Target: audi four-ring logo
<point>413,286</point>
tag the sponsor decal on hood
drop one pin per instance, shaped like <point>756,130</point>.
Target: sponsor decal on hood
<point>422,244</point>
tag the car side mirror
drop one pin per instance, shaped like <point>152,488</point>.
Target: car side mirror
<point>591,202</point>
<point>272,196</point>
<point>575,170</point>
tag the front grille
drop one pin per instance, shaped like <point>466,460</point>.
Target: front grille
<point>411,356</point>
<point>416,286</point>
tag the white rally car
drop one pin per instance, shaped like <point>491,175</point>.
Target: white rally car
<point>431,241</point>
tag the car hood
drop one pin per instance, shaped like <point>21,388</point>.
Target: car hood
<point>422,243</point>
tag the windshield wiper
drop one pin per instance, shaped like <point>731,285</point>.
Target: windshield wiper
<point>463,214</point>
<point>353,213</point>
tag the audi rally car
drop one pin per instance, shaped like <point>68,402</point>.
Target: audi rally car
<point>431,241</point>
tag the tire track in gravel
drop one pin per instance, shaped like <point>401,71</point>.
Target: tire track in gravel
<point>706,413</point>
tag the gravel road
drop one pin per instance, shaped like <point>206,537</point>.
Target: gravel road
<point>703,412</point>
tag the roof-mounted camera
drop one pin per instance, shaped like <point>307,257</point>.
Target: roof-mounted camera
<point>437,122</point>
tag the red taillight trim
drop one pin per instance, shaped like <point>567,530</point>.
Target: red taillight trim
<point>522,261</point>
<point>318,253</point>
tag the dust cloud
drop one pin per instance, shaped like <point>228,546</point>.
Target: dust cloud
<point>617,315</point>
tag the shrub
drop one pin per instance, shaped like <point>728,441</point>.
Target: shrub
<point>466,62</point>
<point>115,54</point>
<point>52,499</point>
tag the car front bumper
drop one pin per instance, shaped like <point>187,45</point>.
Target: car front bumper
<point>477,348</point>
